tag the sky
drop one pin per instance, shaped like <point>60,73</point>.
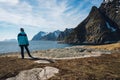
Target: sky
<point>41,15</point>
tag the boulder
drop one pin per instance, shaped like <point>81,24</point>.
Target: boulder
<point>36,74</point>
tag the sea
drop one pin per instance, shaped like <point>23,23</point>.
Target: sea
<point>12,46</point>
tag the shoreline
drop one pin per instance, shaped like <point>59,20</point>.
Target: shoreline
<point>64,53</point>
<point>73,52</point>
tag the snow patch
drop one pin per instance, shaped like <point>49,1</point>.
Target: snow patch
<point>117,11</point>
<point>110,27</point>
<point>57,33</point>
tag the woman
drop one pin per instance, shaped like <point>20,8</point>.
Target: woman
<point>23,43</point>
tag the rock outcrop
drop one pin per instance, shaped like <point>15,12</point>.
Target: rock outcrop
<point>97,28</point>
<point>36,74</point>
<point>111,9</point>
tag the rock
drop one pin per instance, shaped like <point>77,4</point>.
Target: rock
<point>36,74</point>
<point>89,50</point>
<point>48,72</point>
<point>82,50</point>
<point>42,61</point>
<point>99,52</point>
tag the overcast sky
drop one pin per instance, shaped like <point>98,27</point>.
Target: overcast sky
<point>41,15</point>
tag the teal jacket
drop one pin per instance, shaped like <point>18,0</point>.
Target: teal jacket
<point>22,39</point>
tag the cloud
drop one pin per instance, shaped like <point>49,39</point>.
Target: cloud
<point>20,15</point>
<point>96,2</point>
<point>50,14</point>
<point>41,15</point>
<point>9,2</point>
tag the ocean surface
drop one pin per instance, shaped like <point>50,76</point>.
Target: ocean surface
<point>12,46</point>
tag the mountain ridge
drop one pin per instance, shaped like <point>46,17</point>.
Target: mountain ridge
<point>97,28</point>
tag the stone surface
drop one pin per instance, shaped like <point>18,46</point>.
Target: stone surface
<point>36,74</point>
<point>42,61</point>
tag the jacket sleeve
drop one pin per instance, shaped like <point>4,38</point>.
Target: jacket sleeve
<point>27,42</point>
<point>18,39</point>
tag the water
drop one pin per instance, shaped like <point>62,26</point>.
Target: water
<point>12,46</point>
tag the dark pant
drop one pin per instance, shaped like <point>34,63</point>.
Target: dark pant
<point>22,50</point>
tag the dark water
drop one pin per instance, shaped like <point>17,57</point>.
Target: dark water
<point>12,46</point>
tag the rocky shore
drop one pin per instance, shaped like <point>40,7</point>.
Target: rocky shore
<point>71,63</point>
<point>68,52</point>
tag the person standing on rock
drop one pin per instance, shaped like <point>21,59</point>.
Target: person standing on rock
<point>23,43</point>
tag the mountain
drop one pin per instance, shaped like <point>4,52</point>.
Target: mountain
<point>47,36</point>
<point>99,27</point>
<point>111,9</point>
<point>10,40</point>
<point>64,34</point>
<point>51,36</point>
<point>39,35</point>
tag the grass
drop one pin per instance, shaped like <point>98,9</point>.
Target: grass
<point>10,66</point>
<point>114,46</point>
<point>105,67</point>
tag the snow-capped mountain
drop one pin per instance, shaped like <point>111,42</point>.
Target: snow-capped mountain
<point>52,36</point>
<point>39,35</point>
<point>47,36</point>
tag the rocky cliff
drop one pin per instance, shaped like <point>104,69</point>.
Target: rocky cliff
<point>64,34</point>
<point>111,9</point>
<point>98,27</point>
